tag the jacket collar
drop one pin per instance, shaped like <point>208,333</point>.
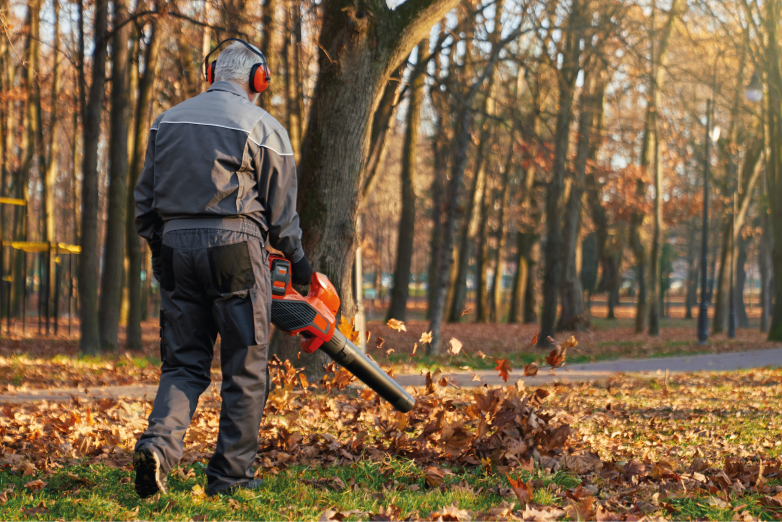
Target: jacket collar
<point>228,87</point>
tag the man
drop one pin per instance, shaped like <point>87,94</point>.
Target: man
<point>219,181</point>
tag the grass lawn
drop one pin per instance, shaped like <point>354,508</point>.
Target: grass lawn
<point>694,447</point>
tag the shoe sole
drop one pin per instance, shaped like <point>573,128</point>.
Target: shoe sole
<point>147,467</point>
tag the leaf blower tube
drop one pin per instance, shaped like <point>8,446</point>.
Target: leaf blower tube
<point>314,318</point>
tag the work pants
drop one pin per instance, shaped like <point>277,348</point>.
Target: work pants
<point>213,281</point>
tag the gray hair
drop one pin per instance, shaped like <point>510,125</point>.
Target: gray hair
<point>235,62</point>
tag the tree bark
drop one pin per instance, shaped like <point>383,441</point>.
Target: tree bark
<point>88,262</point>
<point>357,47</point>
<point>692,273</point>
<point>482,251</point>
<point>404,248</point>
<point>54,145</point>
<point>572,316</point>
<point>766,269</point>
<point>499,258</point>
<point>269,45</point>
<point>638,241</point>
<point>554,251</point>
<point>113,269</point>
<point>141,134</point>
<point>750,174</point>
<point>741,279</point>
<point>655,294</point>
<point>290,58</point>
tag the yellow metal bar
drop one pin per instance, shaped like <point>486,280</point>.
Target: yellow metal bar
<point>13,201</point>
<point>42,246</point>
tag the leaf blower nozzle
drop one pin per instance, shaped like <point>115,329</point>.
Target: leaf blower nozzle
<point>314,317</point>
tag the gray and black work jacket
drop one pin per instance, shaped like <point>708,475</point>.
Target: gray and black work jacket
<point>218,161</point>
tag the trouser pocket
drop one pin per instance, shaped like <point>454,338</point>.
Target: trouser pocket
<point>231,268</point>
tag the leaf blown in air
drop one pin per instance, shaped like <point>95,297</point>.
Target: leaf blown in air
<point>397,325</point>
<point>503,366</point>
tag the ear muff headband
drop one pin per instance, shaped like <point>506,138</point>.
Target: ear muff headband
<point>260,77</point>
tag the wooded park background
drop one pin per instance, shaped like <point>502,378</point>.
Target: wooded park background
<point>506,160</point>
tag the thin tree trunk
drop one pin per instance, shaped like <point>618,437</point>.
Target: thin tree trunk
<point>554,251</point>
<point>472,216</point>
<point>655,295</point>
<point>404,249</point>
<point>88,262</point>
<point>765,264</point>
<point>638,240</point>
<point>113,269</point>
<point>741,279</point>
<point>499,258</point>
<point>692,273</point>
<point>54,144</point>
<point>269,42</point>
<point>572,316</point>
<point>136,302</point>
<point>482,252</point>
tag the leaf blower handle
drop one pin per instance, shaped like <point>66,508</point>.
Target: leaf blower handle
<point>347,355</point>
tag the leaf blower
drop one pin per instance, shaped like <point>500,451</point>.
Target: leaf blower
<point>314,318</point>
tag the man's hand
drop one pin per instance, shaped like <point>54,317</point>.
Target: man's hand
<point>157,259</point>
<point>301,272</point>
<point>157,267</point>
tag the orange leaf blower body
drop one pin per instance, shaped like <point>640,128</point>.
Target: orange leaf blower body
<point>314,318</point>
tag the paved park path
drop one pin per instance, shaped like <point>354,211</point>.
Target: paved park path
<point>597,372</point>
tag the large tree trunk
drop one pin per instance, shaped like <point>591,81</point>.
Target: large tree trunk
<point>141,134</point>
<point>357,48</point>
<point>554,251</point>
<point>404,247</point>
<point>88,262</point>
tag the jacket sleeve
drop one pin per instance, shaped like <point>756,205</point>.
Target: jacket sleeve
<point>149,225</point>
<point>276,172</point>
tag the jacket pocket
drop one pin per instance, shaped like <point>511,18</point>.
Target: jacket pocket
<point>168,281</point>
<point>231,268</point>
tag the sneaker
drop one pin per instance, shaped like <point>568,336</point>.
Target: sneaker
<point>252,484</point>
<point>149,477</point>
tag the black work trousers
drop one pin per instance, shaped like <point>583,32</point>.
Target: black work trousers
<point>213,281</point>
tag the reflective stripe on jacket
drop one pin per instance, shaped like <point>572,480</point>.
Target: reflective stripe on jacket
<point>217,157</point>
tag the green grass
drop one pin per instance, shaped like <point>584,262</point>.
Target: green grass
<point>92,492</point>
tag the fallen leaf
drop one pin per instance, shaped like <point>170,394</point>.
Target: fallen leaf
<point>481,354</point>
<point>530,370</point>
<point>35,485</point>
<point>450,514</point>
<point>522,490</point>
<point>426,337</point>
<point>534,340</point>
<point>415,347</point>
<point>455,346</point>
<point>40,509</point>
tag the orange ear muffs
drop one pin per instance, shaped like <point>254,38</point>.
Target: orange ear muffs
<point>259,77</point>
<point>210,72</point>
